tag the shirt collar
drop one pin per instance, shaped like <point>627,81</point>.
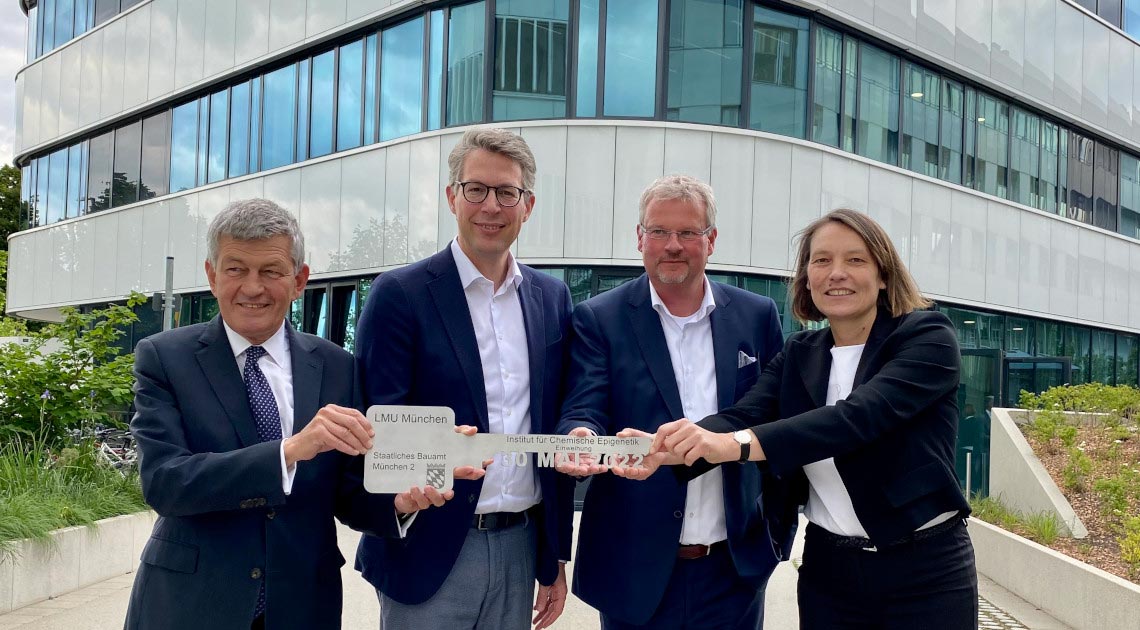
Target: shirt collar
<point>275,346</point>
<point>468,274</point>
<point>708,303</point>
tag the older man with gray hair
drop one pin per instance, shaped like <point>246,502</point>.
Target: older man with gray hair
<point>251,440</point>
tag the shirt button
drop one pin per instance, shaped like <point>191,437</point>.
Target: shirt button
<point>508,412</point>
<point>255,573</point>
<point>678,514</point>
<point>691,515</point>
<point>271,514</point>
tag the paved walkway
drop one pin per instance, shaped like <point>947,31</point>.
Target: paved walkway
<point>103,605</point>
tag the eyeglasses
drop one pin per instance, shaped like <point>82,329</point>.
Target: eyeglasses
<point>687,236</point>
<point>507,196</point>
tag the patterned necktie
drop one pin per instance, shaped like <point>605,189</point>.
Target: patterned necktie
<point>265,418</point>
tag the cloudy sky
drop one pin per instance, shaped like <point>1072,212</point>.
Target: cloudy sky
<point>12,24</point>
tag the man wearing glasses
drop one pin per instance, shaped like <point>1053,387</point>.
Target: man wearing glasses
<point>668,345</point>
<point>471,329</point>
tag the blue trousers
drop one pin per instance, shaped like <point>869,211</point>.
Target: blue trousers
<point>490,587</point>
<point>704,594</point>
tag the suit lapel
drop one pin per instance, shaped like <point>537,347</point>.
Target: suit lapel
<point>882,328</point>
<point>646,324</point>
<point>216,358</point>
<point>725,348</point>
<point>530,297</point>
<point>814,361</point>
<point>445,289</point>
<point>308,367</point>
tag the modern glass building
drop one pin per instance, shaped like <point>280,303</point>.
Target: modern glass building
<point>997,140</point>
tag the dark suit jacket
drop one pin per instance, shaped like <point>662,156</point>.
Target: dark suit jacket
<point>621,376</point>
<point>416,346</point>
<point>892,438</point>
<point>223,517</point>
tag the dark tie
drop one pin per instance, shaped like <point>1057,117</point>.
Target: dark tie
<point>265,418</point>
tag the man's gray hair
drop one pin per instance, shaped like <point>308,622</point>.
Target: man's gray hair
<point>255,220</point>
<point>680,187</point>
<point>501,141</point>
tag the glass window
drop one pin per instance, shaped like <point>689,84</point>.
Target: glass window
<point>321,107</point>
<point>219,121</point>
<point>1126,358</point>
<point>1129,195</point>
<point>828,86</point>
<point>1050,153</point>
<point>977,329</point>
<point>203,140</point>
<point>64,17</point>
<point>586,104</point>
<point>100,157</point>
<point>465,64</point>
<point>255,125</point>
<point>1019,336</point>
<point>779,73</point>
<point>1103,357</point>
<point>877,130</point>
<point>128,159</point>
<point>1024,158</point>
<point>1106,184</point>
<point>57,187</point>
<point>105,10</point>
<point>33,29</point>
<point>530,59</point>
<point>1132,18</point>
<point>81,15</point>
<point>370,90</point>
<point>850,88</point>
<point>1062,172</point>
<point>302,122</point>
<point>183,147</point>
<point>401,79</point>
<point>27,181</point>
<point>155,152</point>
<point>950,139</point>
<point>1109,10</point>
<point>705,58</point>
<point>239,130</point>
<point>1080,180</point>
<point>349,86</point>
<point>435,71</point>
<point>47,24</point>
<point>278,118</point>
<point>631,58</point>
<point>991,151</point>
<point>921,107</point>
<point>76,181</point>
<point>41,190</point>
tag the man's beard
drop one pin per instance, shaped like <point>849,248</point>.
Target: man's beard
<point>678,277</point>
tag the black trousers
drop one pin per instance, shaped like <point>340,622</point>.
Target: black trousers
<point>930,584</point>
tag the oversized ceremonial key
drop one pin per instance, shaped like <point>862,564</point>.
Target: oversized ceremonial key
<point>418,446</point>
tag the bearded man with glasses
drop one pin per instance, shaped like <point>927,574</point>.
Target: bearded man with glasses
<point>471,329</point>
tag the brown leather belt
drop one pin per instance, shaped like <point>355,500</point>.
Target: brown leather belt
<point>692,552</point>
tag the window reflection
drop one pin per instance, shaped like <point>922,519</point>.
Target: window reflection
<point>587,99</point>
<point>153,178</point>
<point>465,64</point>
<point>321,105</point>
<point>218,140</point>
<point>780,73</point>
<point>128,159</point>
<point>631,58</point>
<point>877,130</point>
<point>350,82</point>
<point>435,71</point>
<point>986,166</point>
<point>1024,159</point>
<point>705,59</point>
<point>183,146</point>
<point>100,159</point>
<point>530,59</point>
<point>76,180</point>
<point>57,186</point>
<point>239,130</point>
<point>401,79</point>
<point>278,120</point>
<point>922,97</point>
<point>827,98</point>
<point>1129,196</point>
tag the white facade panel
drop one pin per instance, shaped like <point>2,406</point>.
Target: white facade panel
<point>688,152</point>
<point>936,27</point>
<point>49,98</point>
<point>31,109</point>
<point>1003,253</point>
<point>361,211</point>
<point>156,239</point>
<point>247,189</point>
<point>63,263</point>
<point>221,30</point>
<point>286,23</point>
<point>323,15</point>
<point>843,184</point>
<point>43,255</point>
<point>183,213</point>
<point>897,17</point>
<point>1034,255</point>
<point>888,202</point>
<point>1134,287</point>
<point>396,199</point>
<point>210,203</point>
<point>251,19</point>
<point>1136,94</point>
<point>447,226</point>
<point>542,235</point>
<point>190,49</point>
<point>113,65</point>
<point>1116,289</point>
<point>83,276</point>
<point>21,276</point>
<point>136,62</point>
<point>1090,282</point>
<point>163,37</point>
<point>129,252</point>
<point>284,188</point>
<point>1007,42</point>
<point>863,10</point>
<point>1040,29</point>
<point>806,191</point>
<point>732,173</point>
<point>424,185</point>
<point>71,60</point>
<point>1094,94</point>
<point>639,159</point>
<point>590,167</point>
<point>19,119</point>
<point>1120,85</point>
<point>1068,59</point>
<point>107,240</point>
<point>319,214</point>
<point>974,31</point>
<point>968,222</point>
<point>1064,276</point>
<point>930,234</point>
<point>771,201</point>
<point>359,8</point>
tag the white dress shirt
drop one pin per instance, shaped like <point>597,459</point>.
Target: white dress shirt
<point>501,334</point>
<point>690,345</point>
<point>275,364</point>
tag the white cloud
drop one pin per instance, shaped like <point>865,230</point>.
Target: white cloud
<point>12,58</point>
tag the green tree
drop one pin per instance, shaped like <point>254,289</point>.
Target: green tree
<point>9,204</point>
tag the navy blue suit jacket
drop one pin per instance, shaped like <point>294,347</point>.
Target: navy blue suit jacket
<point>224,521</point>
<point>416,346</point>
<point>621,376</point>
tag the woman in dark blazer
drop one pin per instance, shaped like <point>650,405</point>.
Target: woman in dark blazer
<point>860,419</point>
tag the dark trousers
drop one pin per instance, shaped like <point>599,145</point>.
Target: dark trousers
<point>705,593</point>
<point>930,584</point>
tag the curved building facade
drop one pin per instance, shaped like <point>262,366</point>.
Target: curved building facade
<point>997,141</point>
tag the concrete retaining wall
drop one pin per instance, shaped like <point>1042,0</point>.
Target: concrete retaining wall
<point>1073,592</point>
<point>76,557</point>
<point>1020,482</point>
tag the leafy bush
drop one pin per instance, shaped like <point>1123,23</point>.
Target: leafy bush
<point>1113,493</point>
<point>1130,545</point>
<point>67,374</point>
<point>1076,471</point>
<point>1043,527</point>
<point>1121,400</point>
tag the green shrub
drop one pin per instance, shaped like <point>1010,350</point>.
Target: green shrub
<point>1043,527</point>
<point>1130,545</point>
<point>1121,400</point>
<point>1075,474</point>
<point>1113,494</point>
<point>1067,434</point>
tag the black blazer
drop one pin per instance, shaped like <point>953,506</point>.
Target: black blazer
<point>893,437</point>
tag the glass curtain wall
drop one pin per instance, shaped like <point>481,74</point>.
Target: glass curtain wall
<point>322,101</point>
<point>278,118</point>
<point>401,79</point>
<point>1025,159</point>
<point>921,152</point>
<point>465,70</point>
<point>779,75</point>
<point>705,61</point>
<point>877,128</point>
<point>631,58</point>
<point>349,96</point>
<point>531,61</point>
<point>1129,196</point>
<point>153,179</point>
<point>827,97</point>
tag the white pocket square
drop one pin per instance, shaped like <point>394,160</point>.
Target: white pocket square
<point>743,359</point>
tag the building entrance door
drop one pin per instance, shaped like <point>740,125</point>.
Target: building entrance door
<point>978,388</point>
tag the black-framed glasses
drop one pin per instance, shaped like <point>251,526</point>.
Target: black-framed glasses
<point>507,196</point>
<point>687,236</point>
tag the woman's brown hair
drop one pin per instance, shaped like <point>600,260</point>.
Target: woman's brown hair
<point>901,295</point>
